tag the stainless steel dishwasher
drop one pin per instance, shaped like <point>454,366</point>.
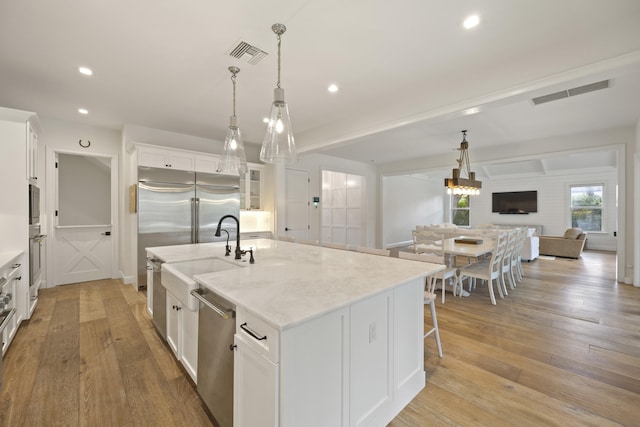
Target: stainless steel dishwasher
<point>159,297</point>
<point>216,327</point>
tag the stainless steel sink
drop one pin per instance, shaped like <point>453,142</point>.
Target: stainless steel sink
<point>177,277</point>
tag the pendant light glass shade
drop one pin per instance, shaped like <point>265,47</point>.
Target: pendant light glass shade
<point>234,159</point>
<point>278,145</point>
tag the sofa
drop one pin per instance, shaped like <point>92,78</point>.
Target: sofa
<point>569,245</point>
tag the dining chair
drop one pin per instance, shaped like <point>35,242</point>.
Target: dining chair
<point>335,245</point>
<point>516,255</point>
<point>429,296</point>
<point>489,269</point>
<point>435,255</point>
<point>512,235</point>
<point>373,251</point>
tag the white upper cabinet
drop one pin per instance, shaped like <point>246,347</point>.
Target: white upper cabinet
<point>251,188</point>
<point>32,154</point>
<point>166,158</point>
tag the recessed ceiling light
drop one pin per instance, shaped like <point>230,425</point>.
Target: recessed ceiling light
<point>471,21</point>
<point>265,120</point>
<point>333,88</point>
<point>86,71</point>
<point>83,111</point>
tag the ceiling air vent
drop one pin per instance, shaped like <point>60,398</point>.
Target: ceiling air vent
<point>572,92</point>
<point>248,53</point>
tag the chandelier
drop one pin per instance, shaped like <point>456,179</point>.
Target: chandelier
<point>458,185</point>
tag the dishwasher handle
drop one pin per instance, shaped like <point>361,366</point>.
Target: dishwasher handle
<point>198,294</point>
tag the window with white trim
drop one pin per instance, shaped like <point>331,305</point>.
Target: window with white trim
<point>587,206</point>
<point>460,209</point>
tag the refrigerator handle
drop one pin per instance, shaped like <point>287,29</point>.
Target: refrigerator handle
<point>193,220</point>
<point>197,221</point>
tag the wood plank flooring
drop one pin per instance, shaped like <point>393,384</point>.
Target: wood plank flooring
<point>562,349</point>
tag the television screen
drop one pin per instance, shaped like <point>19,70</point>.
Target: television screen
<point>515,202</point>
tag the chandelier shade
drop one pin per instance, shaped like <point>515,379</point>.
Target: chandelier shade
<point>278,145</point>
<point>457,184</point>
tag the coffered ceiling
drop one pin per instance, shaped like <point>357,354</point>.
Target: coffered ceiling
<point>410,76</point>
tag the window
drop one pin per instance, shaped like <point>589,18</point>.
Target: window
<point>586,207</point>
<point>460,209</point>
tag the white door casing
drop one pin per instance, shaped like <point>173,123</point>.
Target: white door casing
<point>297,204</point>
<point>84,251</point>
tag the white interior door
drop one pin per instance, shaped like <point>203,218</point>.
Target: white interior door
<point>297,204</point>
<point>82,238</point>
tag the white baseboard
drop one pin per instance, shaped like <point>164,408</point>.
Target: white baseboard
<point>127,280</point>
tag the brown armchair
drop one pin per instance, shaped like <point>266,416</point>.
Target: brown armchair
<point>570,245</point>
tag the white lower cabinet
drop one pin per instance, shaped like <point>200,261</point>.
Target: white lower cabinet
<point>356,366</point>
<point>255,392</point>
<point>10,286</point>
<point>182,334</point>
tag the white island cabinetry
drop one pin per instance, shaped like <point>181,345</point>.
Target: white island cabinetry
<point>323,336</point>
<point>182,334</point>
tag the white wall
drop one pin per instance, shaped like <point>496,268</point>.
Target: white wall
<point>64,137</point>
<point>553,204</point>
<point>409,201</point>
<point>315,164</point>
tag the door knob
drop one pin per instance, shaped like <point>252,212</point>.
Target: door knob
<point>106,233</point>
<point>286,229</point>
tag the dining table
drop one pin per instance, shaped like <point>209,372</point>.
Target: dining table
<point>470,247</point>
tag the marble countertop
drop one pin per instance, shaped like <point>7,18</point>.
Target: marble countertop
<point>291,282</point>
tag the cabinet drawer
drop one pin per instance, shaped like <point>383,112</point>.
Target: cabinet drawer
<point>258,334</point>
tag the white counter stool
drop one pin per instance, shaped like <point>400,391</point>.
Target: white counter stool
<point>429,296</point>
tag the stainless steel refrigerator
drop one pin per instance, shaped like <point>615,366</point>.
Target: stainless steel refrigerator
<point>180,207</point>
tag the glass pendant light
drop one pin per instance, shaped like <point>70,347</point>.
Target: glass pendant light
<point>233,157</point>
<point>278,145</point>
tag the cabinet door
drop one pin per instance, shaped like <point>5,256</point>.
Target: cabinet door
<point>152,158</point>
<point>255,392</point>
<point>314,372</point>
<point>32,153</point>
<point>182,161</point>
<point>371,370</point>
<point>189,346</point>
<point>208,164</point>
<point>174,309</point>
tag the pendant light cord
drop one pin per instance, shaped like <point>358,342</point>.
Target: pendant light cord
<point>279,42</point>
<point>233,79</point>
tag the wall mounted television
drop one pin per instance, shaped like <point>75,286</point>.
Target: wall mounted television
<point>514,202</point>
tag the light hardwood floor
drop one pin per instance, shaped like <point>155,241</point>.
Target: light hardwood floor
<point>562,349</point>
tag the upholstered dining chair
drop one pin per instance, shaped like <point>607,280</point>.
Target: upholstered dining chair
<point>429,297</point>
<point>489,269</point>
<point>373,251</point>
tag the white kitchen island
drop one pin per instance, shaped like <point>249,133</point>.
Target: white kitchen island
<point>341,332</point>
